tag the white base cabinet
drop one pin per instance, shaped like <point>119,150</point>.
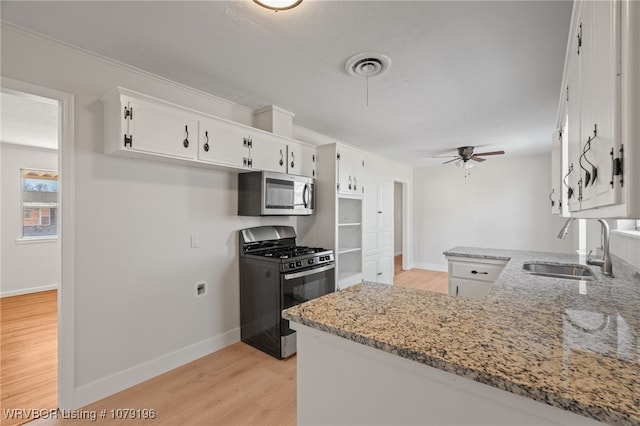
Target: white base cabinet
<point>341,382</point>
<point>379,268</point>
<point>473,277</point>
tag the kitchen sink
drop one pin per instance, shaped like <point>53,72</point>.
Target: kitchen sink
<point>573,272</point>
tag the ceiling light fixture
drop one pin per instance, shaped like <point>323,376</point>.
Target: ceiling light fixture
<point>277,5</point>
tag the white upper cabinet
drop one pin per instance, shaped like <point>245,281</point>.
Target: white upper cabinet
<point>268,152</point>
<point>599,97</point>
<point>145,125</point>
<point>142,126</point>
<point>301,159</point>
<point>350,171</point>
<point>223,143</point>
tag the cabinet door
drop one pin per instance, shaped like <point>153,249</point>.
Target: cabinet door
<point>599,87</point>
<point>222,143</point>
<point>162,129</point>
<point>572,182</point>
<point>301,159</point>
<point>350,171</point>
<point>385,269</point>
<point>469,288</point>
<point>555,194</point>
<point>370,269</point>
<point>268,152</point>
<point>378,215</point>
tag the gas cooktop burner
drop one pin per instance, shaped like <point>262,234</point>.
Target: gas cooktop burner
<point>289,252</point>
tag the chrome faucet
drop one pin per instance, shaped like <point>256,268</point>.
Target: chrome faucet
<point>605,262</point>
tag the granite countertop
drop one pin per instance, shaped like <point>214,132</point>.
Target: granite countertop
<point>557,341</point>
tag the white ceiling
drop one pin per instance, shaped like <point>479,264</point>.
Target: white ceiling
<point>28,120</point>
<point>463,73</point>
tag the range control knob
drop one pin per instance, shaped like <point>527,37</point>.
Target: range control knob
<point>310,261</point>
<point>321,258</point>
<point>292,265</point>
<point>298,263</point>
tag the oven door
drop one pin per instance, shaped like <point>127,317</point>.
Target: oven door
<point>299,287</point>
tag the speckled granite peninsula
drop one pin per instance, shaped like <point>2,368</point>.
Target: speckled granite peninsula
<point>561,342</point>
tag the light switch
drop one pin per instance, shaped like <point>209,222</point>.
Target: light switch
<point>194,242</point>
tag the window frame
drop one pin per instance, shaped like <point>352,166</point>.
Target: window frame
<point>43,238</point>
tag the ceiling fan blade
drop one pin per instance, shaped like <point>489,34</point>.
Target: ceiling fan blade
<point>490,153</point>
<point>450,161</point>
<point>478,159</point>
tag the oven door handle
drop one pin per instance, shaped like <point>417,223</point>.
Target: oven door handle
<point>308,272</point>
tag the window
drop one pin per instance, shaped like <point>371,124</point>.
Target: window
<point>39,203</point>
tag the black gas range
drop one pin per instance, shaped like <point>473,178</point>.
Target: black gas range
<point>276,274</point>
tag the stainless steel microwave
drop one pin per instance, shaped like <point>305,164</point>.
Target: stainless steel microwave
<point>275,194</point>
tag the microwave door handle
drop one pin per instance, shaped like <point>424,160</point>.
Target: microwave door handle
<point>305,195</point>
<point>308,272</point>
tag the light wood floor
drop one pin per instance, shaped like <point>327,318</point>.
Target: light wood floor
<point>237,385</point>
<point>420,279</point>
<point>29,348</point>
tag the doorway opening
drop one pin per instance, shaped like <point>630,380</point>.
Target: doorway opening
<point>30,262</point>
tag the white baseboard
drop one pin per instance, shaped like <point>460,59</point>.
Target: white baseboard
<point>117,382</point>
<point>432,266</point>
<point>22,291</point>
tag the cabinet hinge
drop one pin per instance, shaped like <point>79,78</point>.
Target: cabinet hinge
<point>128,140</point>
<point>247,142</point>
<point>617,167</point>
<point>567,93</point>
<point>338,186</point>
<point>128,113</point>
<point>313,173</point>
<point>338,156</point>
<point>579,37</point>
<point>313,158</point>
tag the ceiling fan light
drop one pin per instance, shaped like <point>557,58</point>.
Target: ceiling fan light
<point>278,4</point>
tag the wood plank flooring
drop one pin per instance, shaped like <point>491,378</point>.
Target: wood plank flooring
<point>237,385</point>
<point>29,352</point>
<point>420,279</point>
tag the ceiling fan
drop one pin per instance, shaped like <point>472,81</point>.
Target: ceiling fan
<point>465,153</point>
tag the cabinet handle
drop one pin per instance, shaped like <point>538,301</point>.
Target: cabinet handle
<point>349,182</point>
<point>474,272</point>
<point>379,273</point>
<point>456,290</point>
<point>553,203</point>
<point>293,159</point>
<point>355,183</point>
<point>185,142</point>
<point>564,182</point>
<point>206,144</point>
<point>281,162</point>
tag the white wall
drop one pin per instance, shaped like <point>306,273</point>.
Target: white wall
<point>502,204</point>
<point>31,267</point>
<point>627,247</point>
<point>397,218</point>
<point>136,314</point>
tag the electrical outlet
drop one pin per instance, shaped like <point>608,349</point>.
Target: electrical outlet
<point>201,288</point>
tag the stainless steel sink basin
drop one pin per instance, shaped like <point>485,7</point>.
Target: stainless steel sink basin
<point>573,272</point>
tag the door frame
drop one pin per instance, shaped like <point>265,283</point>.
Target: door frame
<point>66,238</point>
<point>406,222</point>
